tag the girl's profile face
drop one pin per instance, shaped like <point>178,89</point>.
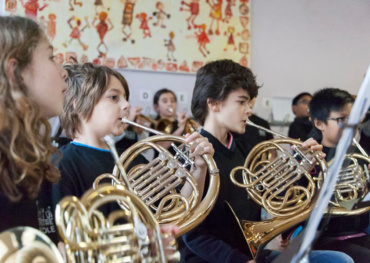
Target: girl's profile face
<point>45,80</point>
<point>166,106</point>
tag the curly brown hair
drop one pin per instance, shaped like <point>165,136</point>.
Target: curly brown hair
<point>25,144</point>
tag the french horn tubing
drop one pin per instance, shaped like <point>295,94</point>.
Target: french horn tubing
<point>165,125</point>
<point>26,244</point>
<point>158,183</point>
<point>282,185</point>
<point>352,183</point>
<point>124,235</point>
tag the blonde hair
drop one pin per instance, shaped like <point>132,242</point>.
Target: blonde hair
<point>86,85</point>
<point>25,144</point>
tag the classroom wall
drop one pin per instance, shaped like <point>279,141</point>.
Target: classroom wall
<point>296,46</point>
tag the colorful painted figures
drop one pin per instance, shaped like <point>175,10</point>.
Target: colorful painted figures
<point>160,15</point>
<point>203,39</point>
<point>230,40</point>
<point>76,32</point>
<point>194,12</point>
<point>128,12</point>
<point>228,11</point>
<point>170,46</point>
<point>102,29</point>
<point>75,2</point>
<point>31,7</point>
<point>144,25</point>
<point>215,14</point>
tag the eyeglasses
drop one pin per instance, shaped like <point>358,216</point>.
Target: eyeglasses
<point>339,120</point>
<point>305,102</point>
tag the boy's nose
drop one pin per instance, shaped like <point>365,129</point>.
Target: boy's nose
<point>126,106</point>
<point>248,110</point>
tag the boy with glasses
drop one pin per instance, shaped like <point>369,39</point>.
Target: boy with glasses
<point>330,109</point>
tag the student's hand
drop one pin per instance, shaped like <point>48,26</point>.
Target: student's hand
<point>62,250</point>
<point>251,261</point>
<point>282,243</point>
<point>201,146</point>
<point>134,111</point>
<point>313,145</point>
<point>168,233</point>
<point>182,119</point>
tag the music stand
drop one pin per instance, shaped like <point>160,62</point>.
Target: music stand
<point>299,251</point>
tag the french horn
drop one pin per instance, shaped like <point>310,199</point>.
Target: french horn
<point>165,125</point>
<point>26,244</point>
<point>130,234</point>
<point>352,183</point>
<point>282,185</point>
<point>158,184</point>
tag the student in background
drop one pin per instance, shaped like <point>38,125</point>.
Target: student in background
<point>301,126</point>
<point>329,108</point>
<point>165,104</point>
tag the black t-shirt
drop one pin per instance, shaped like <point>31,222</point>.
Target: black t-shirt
<point>37,213</point>
<point>300,128</point>
<point>218,238</point>
<point>80,166</point>
<point>129,139</point>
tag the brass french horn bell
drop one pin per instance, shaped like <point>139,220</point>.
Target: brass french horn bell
<point>165,125</point>
<point>127,234</point>
<point>158,183</point>
<point>26,244</point>
<point>273,184</point>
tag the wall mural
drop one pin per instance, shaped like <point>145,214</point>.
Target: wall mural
<point>166,35</point>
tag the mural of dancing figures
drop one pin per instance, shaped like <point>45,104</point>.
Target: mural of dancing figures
<point>177,36</point>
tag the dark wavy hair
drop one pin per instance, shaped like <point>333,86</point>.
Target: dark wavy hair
<point>216,80</point>
<point>25,144</point>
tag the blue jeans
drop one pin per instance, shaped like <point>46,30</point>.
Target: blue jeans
<point>319,256</point>
<point>329,256</point>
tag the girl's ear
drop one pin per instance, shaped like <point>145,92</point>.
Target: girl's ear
<point>10,68</point>
<point>213,105</point>
<point>156,108</point>
<point>320,125</point>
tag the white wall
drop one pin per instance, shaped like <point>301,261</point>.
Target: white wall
<point>296,46</point>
